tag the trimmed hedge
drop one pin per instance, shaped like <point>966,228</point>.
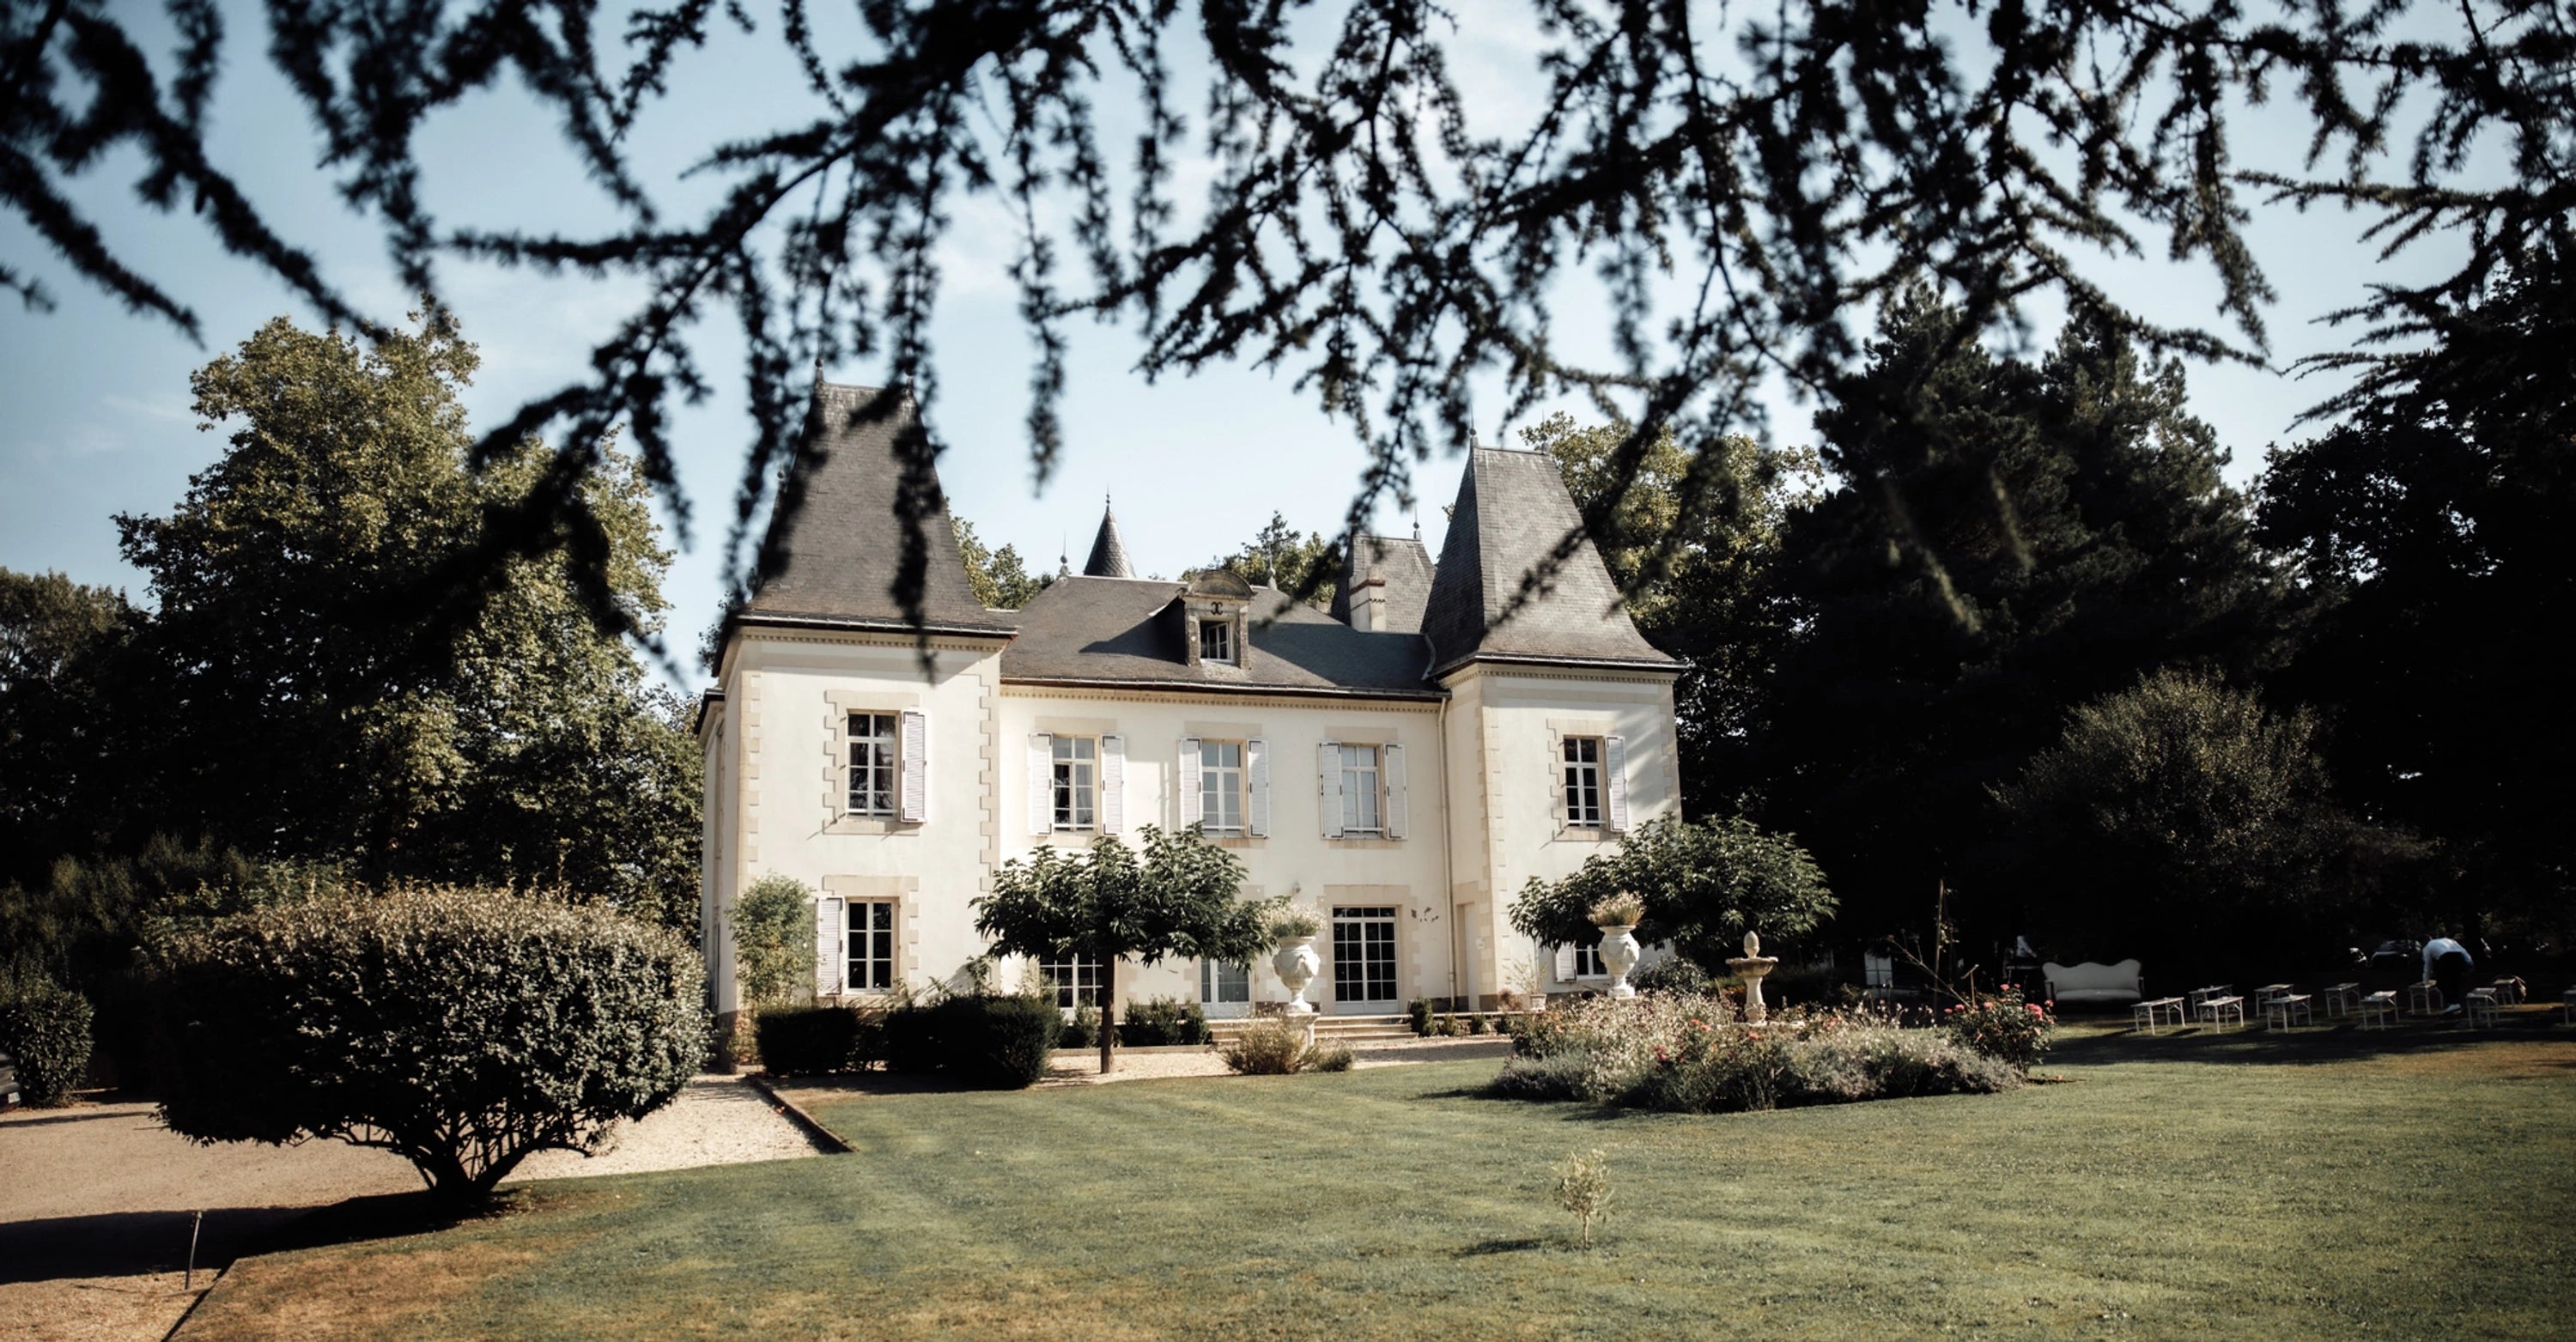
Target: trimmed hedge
<point>810,1041</point>
<point>463,1028</point>
<point>46,1028</point>
<point>996,1041</point>
<point>1162,1021</point>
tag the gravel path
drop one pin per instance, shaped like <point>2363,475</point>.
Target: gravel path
<point>97,1202</point>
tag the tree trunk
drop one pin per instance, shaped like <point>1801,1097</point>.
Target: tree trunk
<point>1108,1014</point>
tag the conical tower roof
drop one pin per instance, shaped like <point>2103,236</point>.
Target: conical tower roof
<point>1108,552</point>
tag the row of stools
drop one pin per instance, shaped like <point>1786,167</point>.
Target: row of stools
<point>2218,1005</point>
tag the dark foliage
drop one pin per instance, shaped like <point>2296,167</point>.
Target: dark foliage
<point>979,1039</point>
<point>1777,171</point>
<point>2432,524</point>
<point>45,1027</point>
<point>809,1041</point>
<point>464,1030</point>
<point>2088,539</point>
<point>1163,1021</point>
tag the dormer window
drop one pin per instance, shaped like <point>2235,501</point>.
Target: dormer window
<point>1209,618</point>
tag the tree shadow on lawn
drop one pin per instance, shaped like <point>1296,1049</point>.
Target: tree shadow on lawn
<point>2339,1042</point>
<point>121,1244</point>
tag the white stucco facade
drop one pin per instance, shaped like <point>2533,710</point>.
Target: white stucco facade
<point>1400,766</point>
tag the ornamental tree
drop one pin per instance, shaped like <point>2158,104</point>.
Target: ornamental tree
<point>465,1029</point>
<point>1705,884</point>
<point>773,937</point>
<point>1180,899</point>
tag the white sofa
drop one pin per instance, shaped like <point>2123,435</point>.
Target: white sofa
<point>2091,984</point>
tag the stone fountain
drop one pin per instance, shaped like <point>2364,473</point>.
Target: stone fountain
<point>1753,968</point>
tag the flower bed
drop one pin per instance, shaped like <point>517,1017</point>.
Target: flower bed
<point>1689,1053</point>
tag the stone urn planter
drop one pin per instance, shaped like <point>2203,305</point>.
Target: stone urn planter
<point>1619,955</point>
<point>1296,962</point>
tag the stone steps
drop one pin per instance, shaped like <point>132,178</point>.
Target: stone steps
<point>1342,1029</point>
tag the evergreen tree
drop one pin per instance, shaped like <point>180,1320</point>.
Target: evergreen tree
<point>2432,525</point>
<point>2083,536</point>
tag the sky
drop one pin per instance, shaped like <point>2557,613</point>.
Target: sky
<point>98,418</point>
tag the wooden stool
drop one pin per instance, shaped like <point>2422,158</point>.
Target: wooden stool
<point>2286,1008</point>
<point>2424,999</point>
<point>2380,1007</point>
<point>2481,1006</point>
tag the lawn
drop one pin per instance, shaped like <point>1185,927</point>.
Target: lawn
<point>2335,1185</point>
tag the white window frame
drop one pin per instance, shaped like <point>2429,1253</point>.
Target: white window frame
<point>1577,777</point>
<point>1223,783</point>
<point>1222,633</point>
<point>1073,784</point>
<point>1218,979</point>
<point>875,757</point>
<point>1587,961</point>
<point>1073,981</point>
<point>869,968</point>
<point>1363,790</point>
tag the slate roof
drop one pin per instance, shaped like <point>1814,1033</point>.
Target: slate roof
<point>1403,564</point>
<point>1120,631</point>
<point>1512,514</point>
<point>835,541</point>
<point>1108,550</point>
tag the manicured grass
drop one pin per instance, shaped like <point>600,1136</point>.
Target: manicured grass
<point>2333,1185</point>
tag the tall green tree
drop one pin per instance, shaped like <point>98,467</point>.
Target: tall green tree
<point>1000,578</point>
<point>2085,538</point>
<point>321,689</point>
<point>1694,539</point>
<point>2182,822</point>
<point>2431,524</point>
<point>1108,904</point>
<point>1306,567</point>
<point>63,655</point>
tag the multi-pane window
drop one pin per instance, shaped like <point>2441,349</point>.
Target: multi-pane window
<point>1073,981</point>
<point>868,947</point>
<point>874,754</point>
<point>1220,983</point>
<point>1583,781</point>
<point>1587,962</point>
<point>1221,787</point>
<point>1364,954</point>
<point>1076,788</point>
<point>1216,640</point>
<point>1361,812</point>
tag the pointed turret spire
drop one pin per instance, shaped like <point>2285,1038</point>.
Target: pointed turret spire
<point>1108,552</point>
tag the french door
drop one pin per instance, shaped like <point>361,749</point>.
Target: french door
<point>1364,960</point>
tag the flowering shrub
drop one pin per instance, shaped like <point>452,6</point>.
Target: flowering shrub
<point>2003,1027</point>
<point>1689,1053</point>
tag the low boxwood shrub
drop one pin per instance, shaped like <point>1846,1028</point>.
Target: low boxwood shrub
<point>1163,1021</point>
<point>808,1041</point>
<point>1418,1012</point>
<point>999,1041</point>
<point>45,1027</point>
<point>979,1039</point>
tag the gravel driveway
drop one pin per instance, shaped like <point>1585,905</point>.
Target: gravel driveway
<point>97,1202</point>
